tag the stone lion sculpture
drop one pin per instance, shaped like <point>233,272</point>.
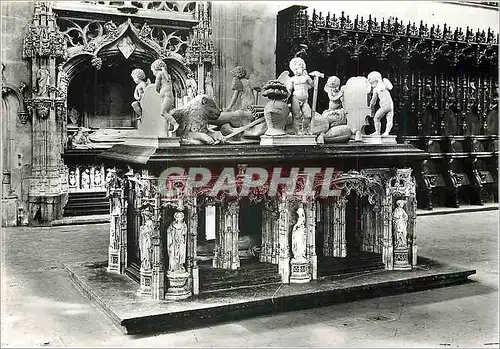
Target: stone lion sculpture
<point>193,119</point>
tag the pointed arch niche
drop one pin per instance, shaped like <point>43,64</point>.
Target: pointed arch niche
<point>101,55</point>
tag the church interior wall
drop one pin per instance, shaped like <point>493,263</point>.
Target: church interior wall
<point>16,17</point>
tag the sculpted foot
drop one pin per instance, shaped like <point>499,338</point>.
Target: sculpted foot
<point>175,126</point>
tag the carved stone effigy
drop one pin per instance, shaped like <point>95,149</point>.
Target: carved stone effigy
<point>226,254</point>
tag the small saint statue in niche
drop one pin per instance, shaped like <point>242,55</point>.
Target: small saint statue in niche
<point>298,87</point>
<point>399,225</point>
<point>380,92</point>
<point>299,237</point>
<point>42,82</point>
<point>145,233</point>
<point>176,243</point>
<point>72,178</point>
<point>139,78</point>
<point>191,87</point>
<point>209,87</point>
<point>86,179</point>
<point>97,177</point>
<point>163,85</point>
<point>62,81</point>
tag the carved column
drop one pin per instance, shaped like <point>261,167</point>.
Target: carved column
<point>335,244</point>
<point>387,251</point>
<point>117,250</point>
<point>400,247</point>
<point>226,240</point>
<point>283,246</point>
<point>42,45</point>
<point>310,208</point>
<point>193,243</point>
<point>270,235</point>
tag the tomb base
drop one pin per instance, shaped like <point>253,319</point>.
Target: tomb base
<point>177,286</point>
<point>288,140</point>
<point>299,272</point>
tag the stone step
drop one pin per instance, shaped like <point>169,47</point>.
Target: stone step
<point>86,203</point>
<point>331,266</point>
<point>250,274</point>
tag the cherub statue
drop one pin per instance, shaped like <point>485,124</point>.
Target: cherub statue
<point>237,86</point>
<point>139,78</point>
<point>380,91</point>
<point>163,85</point>
<point>298,87</point>
<point>332,88</point>
<point>332,124</point>
<point>191,86</point>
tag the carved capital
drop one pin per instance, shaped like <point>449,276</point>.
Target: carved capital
<point>42,107</point>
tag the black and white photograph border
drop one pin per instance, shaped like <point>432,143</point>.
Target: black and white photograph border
<point>249,174</point>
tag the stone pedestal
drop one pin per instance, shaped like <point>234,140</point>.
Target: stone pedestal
<point>146,281</point>
<point>178,286</point>
<point>299,271</point>
<point>288,140</point>
<point>372,139</point>
<point>401,259</point>
<point>389,139</point>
